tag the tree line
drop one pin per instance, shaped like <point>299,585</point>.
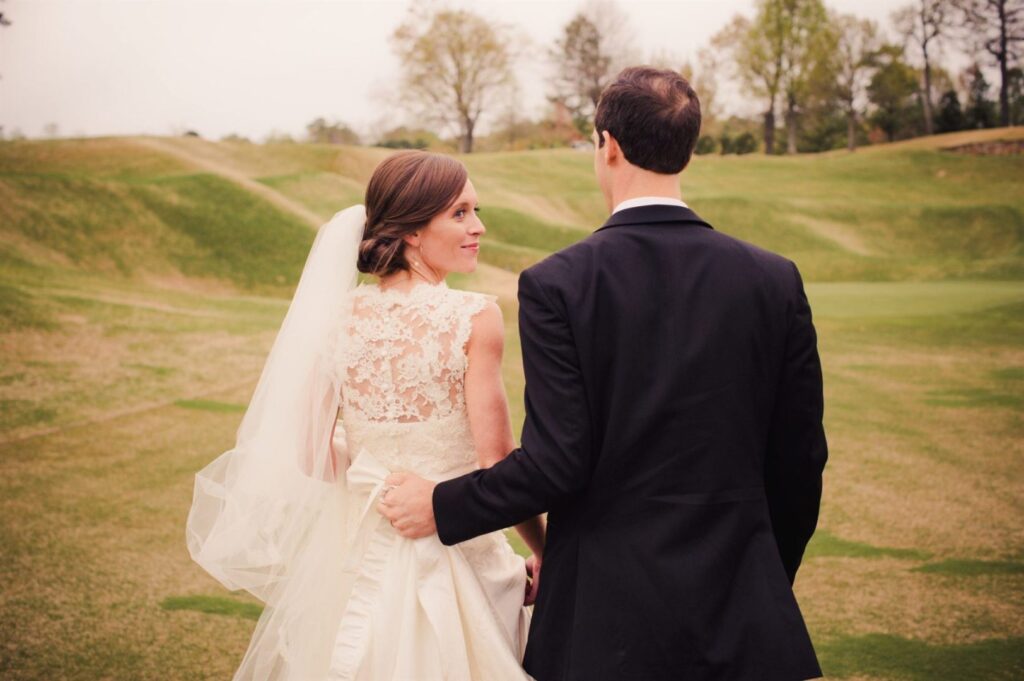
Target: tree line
<point>818,79</point>
<point>824,71</point>
<point>821,79</point>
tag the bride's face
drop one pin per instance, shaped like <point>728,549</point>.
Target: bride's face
<point>451,240</point>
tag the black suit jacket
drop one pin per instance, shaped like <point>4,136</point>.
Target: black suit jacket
<point>674,436</point>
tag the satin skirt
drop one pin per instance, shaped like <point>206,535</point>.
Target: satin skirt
<point>419,610</point>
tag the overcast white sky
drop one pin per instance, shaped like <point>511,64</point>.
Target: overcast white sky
<point>99,67</point>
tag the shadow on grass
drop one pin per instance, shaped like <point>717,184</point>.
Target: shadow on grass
<point>971,568</point>
<point>827,544</point>
<point>213,605</point>
<point>210,405</point>
<point>894,657</point>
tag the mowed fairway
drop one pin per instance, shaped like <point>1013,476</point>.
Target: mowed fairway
<point>142,281</point>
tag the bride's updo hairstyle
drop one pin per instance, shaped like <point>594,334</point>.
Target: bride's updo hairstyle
<point>405,193</point>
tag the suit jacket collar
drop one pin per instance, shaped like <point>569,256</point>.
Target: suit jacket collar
<point>645,215</point>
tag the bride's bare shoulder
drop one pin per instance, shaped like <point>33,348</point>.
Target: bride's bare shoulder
<point>487,331</point>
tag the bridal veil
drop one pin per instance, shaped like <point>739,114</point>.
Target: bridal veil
<point>270,515</point>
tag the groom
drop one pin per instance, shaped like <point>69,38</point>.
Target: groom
<point>673,430</point>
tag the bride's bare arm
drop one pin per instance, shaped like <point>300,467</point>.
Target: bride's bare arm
<point>487,404</point>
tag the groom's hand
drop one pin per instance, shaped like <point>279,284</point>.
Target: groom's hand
<point>408,504</point>
<point>533,564</point>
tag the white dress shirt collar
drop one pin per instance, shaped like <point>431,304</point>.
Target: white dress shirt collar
<point>648,201</point>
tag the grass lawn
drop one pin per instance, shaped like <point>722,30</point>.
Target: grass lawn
<point>139,297</point>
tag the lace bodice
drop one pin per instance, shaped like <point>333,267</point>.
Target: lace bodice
<point>400,358</point>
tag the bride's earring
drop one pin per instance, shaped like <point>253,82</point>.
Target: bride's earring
<point>414,256</point>
<point>416,264</point>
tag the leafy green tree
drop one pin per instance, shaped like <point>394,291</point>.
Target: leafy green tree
<point>832,88</point>
<point>950,116</point>
<point>725,143</point>
<point>1015,92</point>
<point>776,54</point>
<point>826,128</point>
<point>756,51</point>
<point>745,143</point>
<point>706,144</point>
<point>892,90</point>
<point>455,64</point>
<point>807,44</point>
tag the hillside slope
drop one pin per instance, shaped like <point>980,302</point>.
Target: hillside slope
<point>240,214</point>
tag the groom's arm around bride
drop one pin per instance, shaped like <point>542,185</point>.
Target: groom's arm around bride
<point>559,425</point>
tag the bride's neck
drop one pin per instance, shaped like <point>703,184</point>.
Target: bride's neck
<point>403,280</point>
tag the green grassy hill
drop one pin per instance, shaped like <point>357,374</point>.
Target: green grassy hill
<point>142,281</point>
<point>149,206</point>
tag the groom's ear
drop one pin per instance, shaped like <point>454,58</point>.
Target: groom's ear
<point>611,148</point>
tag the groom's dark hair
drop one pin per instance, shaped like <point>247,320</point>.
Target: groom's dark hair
<point>654,115</point>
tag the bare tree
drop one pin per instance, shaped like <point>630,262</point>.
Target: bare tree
<point>857,42</point>
<point>582,69</point>
<point>455,65</point>
<point>618,38</point>
<point>511,114</point>
<point>922,24</point>
<point>997,26</point>
<point>594,46</point>
<point>703,77</point>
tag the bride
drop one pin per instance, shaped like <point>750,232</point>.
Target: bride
<point>412,368</point>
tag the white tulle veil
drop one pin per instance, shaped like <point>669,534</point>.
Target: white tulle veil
<point>271,514</point>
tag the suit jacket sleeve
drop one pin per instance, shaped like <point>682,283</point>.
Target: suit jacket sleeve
<point>797,450</point>
<point>554,459</point>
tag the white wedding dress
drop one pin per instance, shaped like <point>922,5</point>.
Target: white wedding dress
<point>289,513</point>
<point>416,609</point>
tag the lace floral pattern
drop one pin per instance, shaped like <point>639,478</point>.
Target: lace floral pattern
<point>404,353</point>
<point>400,359</point>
